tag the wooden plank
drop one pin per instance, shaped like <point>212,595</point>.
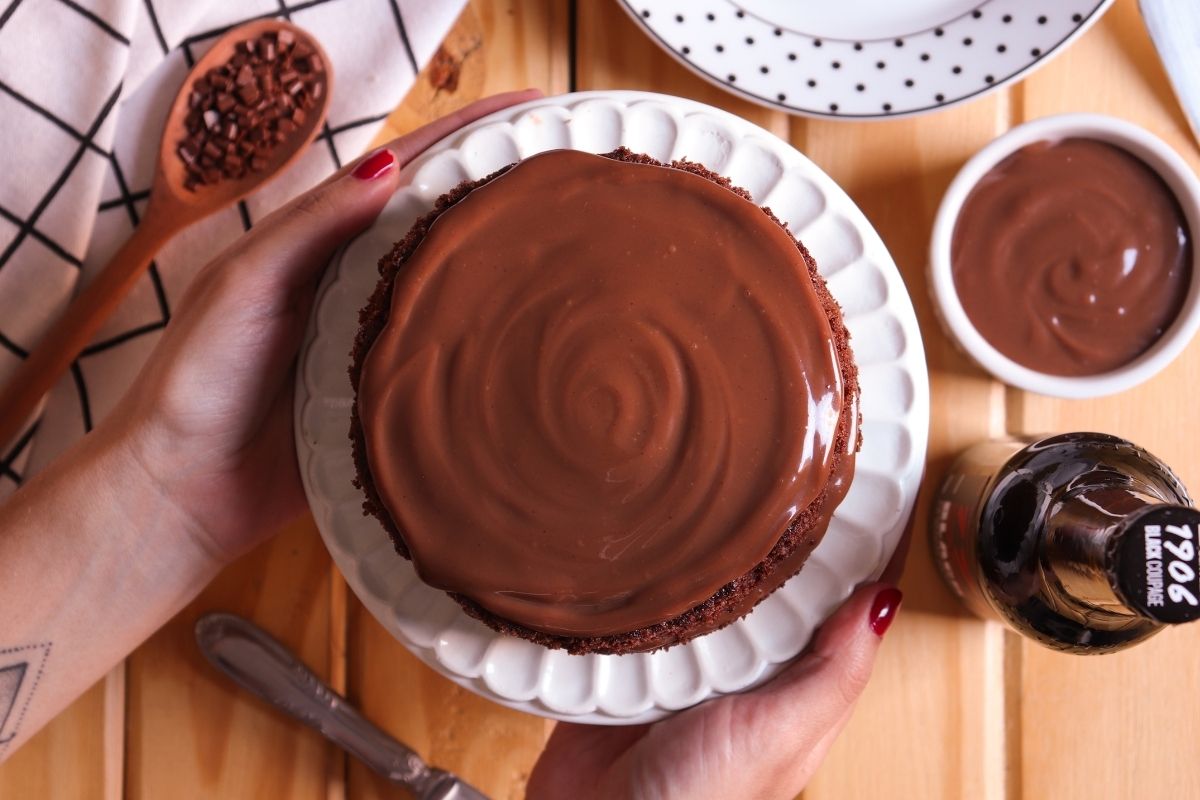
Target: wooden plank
<point>115,685</point>
<point>191,731</point>
<point>1116,726</point>
<point>490,746</point>
<point>65,758</point>
<point>940,672</point>
<point>495,46</point>
<point>1140,735</point>
<point>335,777</point>
<point>499,46</point>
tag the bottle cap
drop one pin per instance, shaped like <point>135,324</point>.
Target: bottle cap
<point>1154,563</point>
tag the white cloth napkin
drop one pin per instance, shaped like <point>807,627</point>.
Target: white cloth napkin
<point>84,89</point>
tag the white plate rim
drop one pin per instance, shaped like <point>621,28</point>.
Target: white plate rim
<point>1029,66</point>
<point>915,421</point>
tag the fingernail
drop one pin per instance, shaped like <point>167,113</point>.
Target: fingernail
<point>883,609</point>
<point>375,165</point>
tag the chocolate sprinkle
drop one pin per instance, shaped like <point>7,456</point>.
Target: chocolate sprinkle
<point>241,111</point>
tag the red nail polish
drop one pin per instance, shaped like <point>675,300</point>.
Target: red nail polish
<point>374,165</point>
<point>883,609</point>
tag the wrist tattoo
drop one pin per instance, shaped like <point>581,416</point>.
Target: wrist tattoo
<point>20,673</point>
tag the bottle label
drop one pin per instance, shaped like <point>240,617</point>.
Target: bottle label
<point>954,535</point>
<point>1157,564</point>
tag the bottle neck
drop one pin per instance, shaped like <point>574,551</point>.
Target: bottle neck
<point>1127,553</point>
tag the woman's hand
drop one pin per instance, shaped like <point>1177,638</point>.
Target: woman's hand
<point>762,744</point>
<point>210,417</point>
<point>193,467</point>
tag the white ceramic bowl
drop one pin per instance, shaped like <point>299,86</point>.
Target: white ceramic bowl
<point>1141,143</point>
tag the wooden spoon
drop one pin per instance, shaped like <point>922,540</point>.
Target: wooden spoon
<point>171,208</point>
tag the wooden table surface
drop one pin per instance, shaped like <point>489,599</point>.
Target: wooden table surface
<point>957,708</point>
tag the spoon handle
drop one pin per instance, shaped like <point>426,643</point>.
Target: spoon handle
<point>257,662</point>
<point>76,326</point>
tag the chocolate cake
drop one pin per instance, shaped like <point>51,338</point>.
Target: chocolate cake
<point>607,404</point>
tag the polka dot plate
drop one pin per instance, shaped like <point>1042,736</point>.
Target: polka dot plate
<point>863,59</point>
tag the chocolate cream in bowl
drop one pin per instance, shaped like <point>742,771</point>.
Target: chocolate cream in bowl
<point>1071,257</point>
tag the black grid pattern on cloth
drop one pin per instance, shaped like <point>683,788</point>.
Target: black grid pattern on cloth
<point>62,125</point>
<point>27,226</point>
<point>129,203</point>
<point>50,244</point>
<point>12,347</point>
<point>8,12</point>
<point>8,459</point>
<point>101,24</point>
<point>152,15</point>
<point>286,13</point>
<point>130,198</point>
<point>26,229</point>
<point>403,31</point>
<point>29,222</point>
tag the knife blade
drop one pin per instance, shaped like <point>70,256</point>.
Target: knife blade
<point>1174,27</point>
<point>256,661</point>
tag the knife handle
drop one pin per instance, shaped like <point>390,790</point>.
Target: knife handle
<point>256,661</point>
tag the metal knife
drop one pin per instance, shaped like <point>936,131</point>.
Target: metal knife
<point>1174,26</point>
<point>256,661</point>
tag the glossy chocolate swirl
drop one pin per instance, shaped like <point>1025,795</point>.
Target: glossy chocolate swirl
<point>603,392</point>
<point>1071,257</point>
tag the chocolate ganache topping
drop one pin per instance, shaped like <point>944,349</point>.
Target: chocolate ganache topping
<point>603,391</point>
<point>1072,257</point>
